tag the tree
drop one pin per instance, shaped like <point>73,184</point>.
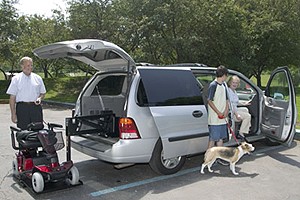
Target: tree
<point>89,19</point>
<point>249,36</point>
<point>156,31</point>
<point>38,31</point>
<point>272,29</point>
<point>9,32</point>
<point>219,28</point>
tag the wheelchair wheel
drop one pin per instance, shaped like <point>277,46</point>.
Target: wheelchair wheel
<point>15,167</point>
<point>37,182</point>
<point>73,176</point>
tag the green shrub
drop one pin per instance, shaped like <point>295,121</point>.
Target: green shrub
<point>3,87</point>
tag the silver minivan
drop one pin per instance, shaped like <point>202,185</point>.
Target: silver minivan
<point>128,114</point>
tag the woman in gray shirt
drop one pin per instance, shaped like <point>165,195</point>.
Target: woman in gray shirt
<point>240,114</point>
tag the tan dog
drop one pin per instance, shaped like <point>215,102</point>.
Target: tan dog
<point>230,154</point>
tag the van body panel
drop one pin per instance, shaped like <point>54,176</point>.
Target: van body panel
<point>120,152</point>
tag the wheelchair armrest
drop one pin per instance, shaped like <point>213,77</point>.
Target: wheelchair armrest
<point>12,135</point>
<point>13,128</point>
<point>53,125</point>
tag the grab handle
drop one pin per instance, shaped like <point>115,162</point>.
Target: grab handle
<point>197,113</point>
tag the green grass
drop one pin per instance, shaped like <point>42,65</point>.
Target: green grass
<point>64,89</point>
<point>264,79</point>
<point>58,89</point>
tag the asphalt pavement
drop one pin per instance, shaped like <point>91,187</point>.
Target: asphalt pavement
<point>270,173</point>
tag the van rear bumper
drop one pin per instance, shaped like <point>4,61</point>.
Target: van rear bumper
<point>123,151</point>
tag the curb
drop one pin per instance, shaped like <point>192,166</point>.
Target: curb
<point>4,101</point>
<point>297,134</point>
<point>60,104</point>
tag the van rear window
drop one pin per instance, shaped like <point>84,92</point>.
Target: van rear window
<point>110,85</point>
<point>167,87</point>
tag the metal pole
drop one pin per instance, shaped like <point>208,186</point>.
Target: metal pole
<point>68,137</point>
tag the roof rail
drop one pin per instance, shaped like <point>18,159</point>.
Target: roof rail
<point>186,65</point>
<point>143,64</point>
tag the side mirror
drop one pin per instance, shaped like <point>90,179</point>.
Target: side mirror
<point>278,96</point>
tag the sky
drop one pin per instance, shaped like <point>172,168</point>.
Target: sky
<point>40,7</point>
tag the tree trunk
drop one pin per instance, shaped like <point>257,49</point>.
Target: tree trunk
<point>257,74</point>
<point>258,80</point>
<point>45,72</point>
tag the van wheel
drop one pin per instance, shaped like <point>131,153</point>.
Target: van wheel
<point>165,166</point>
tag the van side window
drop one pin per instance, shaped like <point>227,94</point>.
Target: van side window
<point>168,88</point>
<point>279,87</point>
<point>141,95</point>
<point>110,85</point>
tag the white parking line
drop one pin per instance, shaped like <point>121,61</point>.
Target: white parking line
<point>143,182</point>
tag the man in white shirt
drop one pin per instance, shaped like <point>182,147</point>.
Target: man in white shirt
<point>26,92</point>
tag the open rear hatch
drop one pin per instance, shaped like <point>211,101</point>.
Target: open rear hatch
<point>99,54</point>
<point>99,131</point>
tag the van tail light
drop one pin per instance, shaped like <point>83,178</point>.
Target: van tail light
<point>127,129</point>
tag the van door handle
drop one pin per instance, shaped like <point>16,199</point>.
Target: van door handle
<point>197,113</point>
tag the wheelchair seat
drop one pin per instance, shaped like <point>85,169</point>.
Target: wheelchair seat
<point>28,139</point>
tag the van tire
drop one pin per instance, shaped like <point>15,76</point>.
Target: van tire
<point>165,166</point>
